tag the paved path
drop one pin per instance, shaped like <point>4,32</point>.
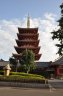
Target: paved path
<point>56,83</point>
<point>13,91</point>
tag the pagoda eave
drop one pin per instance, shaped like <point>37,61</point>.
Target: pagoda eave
<point>27,40</point>
<point>27,30</point>
<point>27,47</point>
<point>18,56</point>
<point>19,43</point>
<point>27,36</point>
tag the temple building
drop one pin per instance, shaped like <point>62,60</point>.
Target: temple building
<point>57,66</point>
<point>27,39</point>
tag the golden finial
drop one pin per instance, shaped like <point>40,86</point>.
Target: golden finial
<point>28,21</point>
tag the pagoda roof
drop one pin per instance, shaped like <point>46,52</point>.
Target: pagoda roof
<point>21,54</point>
<point>27,43</point>
<point>27,47</point>
<point>37,56</point>
<point>28,28</point>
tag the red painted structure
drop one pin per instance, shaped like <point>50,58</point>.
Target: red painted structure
<point>27,39</point>
<point>57,65</point>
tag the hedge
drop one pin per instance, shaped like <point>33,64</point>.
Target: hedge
<point>23,77</point>
<point>20,79</point>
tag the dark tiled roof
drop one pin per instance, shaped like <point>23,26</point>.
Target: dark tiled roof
<point>38,64</point>
<point>42,64</point>
<point>1,60</point>
<point>58,61</point>
<point>4,63</point>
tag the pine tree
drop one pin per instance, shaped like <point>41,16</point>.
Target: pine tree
<point>59,33</point>
<point>27,60</point>
<point>14,62</point>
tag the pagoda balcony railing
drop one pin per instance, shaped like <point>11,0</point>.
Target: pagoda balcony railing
<point>28,34</point>
<point>27,40</point>
<point>20,37</point>
<point>36,51</point>
<point>23,32</point>
<point>32,37</point>
<point>27,47</point>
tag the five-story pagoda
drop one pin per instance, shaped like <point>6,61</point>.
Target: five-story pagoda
<point>27,39</point>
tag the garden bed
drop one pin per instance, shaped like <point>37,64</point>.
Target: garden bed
<point>23,77</point>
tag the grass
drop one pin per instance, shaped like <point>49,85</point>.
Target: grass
<point>23,77</point>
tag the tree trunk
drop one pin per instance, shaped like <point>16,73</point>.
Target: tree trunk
<point>16,68</point>
<point>28,70</point>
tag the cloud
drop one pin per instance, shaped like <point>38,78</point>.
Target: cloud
<point>8,30</point>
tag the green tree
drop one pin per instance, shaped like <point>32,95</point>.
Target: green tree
<point>14,62</point>
<point>27,60</point>
<point>59,33</point>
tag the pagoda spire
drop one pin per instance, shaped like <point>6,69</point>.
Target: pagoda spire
<point>28,21</point>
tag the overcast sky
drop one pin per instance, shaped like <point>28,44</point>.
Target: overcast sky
<point>43,14</point>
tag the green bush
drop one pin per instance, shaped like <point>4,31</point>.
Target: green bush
<point>23,77</point>
<point>1,72</point>
<point>27,75</point>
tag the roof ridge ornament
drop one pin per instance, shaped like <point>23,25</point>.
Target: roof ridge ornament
<point>28,21</point>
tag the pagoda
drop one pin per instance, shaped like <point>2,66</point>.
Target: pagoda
<point>27,39</point>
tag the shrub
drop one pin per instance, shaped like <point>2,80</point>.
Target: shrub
<point>27,75</point>
<point>1,72</point>
<point>23,77</point>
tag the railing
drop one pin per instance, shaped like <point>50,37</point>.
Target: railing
<point>25,85</point>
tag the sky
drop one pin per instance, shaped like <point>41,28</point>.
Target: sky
<point>43,14</point>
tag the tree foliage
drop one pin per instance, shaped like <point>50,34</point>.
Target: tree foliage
<point>59,33</point>
<point>27,60</point>
<point>14,62</point>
